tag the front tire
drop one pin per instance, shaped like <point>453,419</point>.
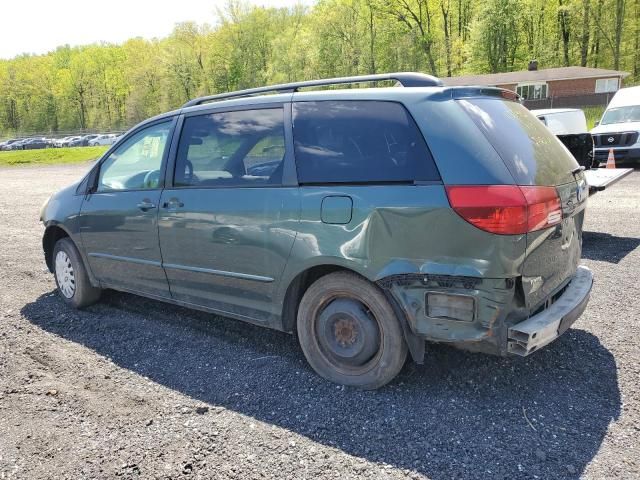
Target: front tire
<point>71,276</point>
<point>349,332</point>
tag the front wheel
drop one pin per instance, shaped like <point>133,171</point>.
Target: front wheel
<point>349,332</point>
<point>71,277</point>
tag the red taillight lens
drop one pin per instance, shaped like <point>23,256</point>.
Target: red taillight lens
<point>544,207</point>
<point>506,209</point>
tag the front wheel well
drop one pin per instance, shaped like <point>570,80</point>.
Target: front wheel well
<point>51,236</point>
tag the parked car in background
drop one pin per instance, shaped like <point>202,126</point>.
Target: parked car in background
<point>17,145</point>
<point>347,216</point>
<point>570,126</point>
<point>75,141</point>
<point>85,139</point>
<point>92,139</point>
<point>60,142</point>
<point>6,145</point>
<point>70,141</point>
<point>34,143</point>
<point>619,128</point>
<point>104,139</point>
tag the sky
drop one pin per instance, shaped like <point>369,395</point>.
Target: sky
<point>39,26</point>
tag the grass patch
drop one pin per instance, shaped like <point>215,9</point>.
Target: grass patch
<point>593,114</point>
<point>51,156</point>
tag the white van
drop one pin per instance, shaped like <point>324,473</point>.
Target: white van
<point>619,128</point>
<point>563,121</point>
<point>570,126</point>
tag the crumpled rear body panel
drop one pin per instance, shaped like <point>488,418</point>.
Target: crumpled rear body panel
<point>495,302</point>
<point>400,235</point>
<point>397,230</point>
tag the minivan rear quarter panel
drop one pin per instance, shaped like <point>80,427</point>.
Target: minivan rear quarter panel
<point>407,233</point>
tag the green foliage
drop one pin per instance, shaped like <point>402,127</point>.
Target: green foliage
<point>106,86</point>
<point>495,36</point>
<point>50,156</point>
<point>593,115</point>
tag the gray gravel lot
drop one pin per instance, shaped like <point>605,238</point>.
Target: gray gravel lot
<point>135,388</point>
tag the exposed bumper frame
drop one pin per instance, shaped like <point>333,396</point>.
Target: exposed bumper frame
<point>541,329</point>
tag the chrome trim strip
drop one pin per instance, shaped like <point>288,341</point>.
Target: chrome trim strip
<point>244,276</point>
<point>126,259</point>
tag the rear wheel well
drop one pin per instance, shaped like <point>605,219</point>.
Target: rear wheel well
<point>297,289</point>
<point>304,280</point>
<point>51,236</point>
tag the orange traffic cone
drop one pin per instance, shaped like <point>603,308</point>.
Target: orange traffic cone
<point>611,161</point>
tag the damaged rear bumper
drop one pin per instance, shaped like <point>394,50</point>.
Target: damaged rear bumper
<point>541,329</point>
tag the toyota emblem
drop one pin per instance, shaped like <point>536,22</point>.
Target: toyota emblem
<point>611,139</point>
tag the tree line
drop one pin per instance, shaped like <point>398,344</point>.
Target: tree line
<point>108,86</point>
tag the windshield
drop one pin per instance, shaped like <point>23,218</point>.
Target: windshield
<point>621,115</point>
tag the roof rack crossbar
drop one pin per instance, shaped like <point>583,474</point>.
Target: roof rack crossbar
<point>406,79</point>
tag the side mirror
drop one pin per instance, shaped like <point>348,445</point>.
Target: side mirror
<point>596,123</point>
<point>92,180</point>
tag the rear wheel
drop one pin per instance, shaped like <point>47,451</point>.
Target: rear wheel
<point>349,332</point>
<point>71,277</point>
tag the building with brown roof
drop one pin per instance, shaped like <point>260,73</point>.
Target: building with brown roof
<point>563,86</point>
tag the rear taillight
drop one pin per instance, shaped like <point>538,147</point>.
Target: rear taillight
<point>544,205</point>
<point>506,209</point>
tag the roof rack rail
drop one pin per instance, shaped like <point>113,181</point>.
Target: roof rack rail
<point>406,79</point>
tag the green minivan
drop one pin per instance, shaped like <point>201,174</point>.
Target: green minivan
<point>367,221</point>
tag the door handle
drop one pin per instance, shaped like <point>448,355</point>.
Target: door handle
<point>146,205</point>
<point>173,204</point>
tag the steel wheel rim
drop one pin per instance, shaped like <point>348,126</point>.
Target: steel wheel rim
<point>65,275</point>
<point>342,364</point>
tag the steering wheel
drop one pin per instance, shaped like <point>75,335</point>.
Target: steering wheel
<point>151,179</point>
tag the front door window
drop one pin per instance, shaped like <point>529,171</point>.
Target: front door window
<point>136,164</point>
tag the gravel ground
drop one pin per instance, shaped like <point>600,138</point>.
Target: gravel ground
<point>134,388</point>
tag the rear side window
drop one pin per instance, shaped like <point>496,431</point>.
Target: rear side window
<point>358,142</point>
<point>239,148</point>
<point>533,154</point>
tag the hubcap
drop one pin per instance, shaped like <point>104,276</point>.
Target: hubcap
<point>64,274</point>
<point>347,332</point>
